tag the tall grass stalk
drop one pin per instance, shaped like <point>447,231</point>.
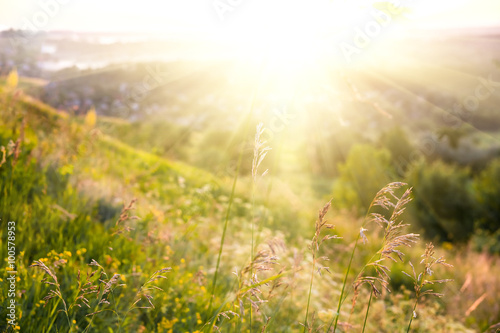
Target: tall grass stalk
<point>393,238</point>
<point>422,280</point>
<point>381,199</point>
<point>246,128</point>
<point>224,230</point>
<point>144,294</point>
<point>53,293</point>
<point>316,242</point>
<point>309,295</point>
<point>367,310</point>
<point>337,314</point>
<point>274,167</point>
<point>259,153</point>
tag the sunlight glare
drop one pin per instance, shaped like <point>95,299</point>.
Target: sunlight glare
<point>291,33</point>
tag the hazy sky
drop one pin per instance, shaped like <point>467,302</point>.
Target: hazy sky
<point>201,16</point>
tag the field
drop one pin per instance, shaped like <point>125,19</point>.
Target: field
<point>368,204</point>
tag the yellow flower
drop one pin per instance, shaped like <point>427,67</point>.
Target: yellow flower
<point>166,324</point>
<point>90,118</point>
<point>74,321</point>
<point>12,80</point>
<point>81,251</point>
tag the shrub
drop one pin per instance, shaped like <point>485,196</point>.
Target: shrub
<point>487,192</point>
<point>444,202</point>
<point>366,170</point>
<point>487,189</point>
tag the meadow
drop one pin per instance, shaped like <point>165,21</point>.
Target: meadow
<point>116,233</point>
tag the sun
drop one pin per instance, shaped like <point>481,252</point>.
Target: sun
<point>294,38</point>
<point>294,45</point>
<point>288,31</point>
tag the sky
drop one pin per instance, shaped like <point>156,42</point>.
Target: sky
<point>221,16</point>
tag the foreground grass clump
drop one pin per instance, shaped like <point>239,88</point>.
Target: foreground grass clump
<point>100,223</point>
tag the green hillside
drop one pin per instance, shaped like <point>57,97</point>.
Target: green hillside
<point>112,238</point>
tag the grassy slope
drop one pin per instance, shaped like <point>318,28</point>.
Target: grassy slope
<point>66,190</point>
